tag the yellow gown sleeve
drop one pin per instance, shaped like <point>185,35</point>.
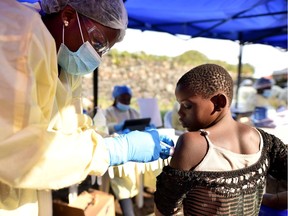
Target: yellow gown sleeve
<point>33,154</point>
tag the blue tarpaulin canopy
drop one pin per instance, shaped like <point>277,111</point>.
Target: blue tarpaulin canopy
<point>246,21</point>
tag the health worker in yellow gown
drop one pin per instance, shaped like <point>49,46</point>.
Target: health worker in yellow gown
<point>45,140</point>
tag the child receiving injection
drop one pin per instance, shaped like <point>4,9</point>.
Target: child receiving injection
<point>219,166</point>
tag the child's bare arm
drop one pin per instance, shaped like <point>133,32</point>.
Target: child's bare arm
<point>190,149</point>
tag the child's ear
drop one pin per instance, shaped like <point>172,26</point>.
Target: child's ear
<point>219,102</point>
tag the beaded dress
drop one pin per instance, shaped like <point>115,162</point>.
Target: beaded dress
<point>219,190</point>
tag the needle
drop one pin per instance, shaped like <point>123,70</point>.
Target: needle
<point>166,145</point>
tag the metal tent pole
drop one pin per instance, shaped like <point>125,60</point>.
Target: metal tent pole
<point>95,90</point>
<point>239,73</point>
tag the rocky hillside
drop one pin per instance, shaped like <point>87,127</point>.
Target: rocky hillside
<point>148,76</point>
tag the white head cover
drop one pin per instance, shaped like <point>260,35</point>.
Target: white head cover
<point>110,13</point>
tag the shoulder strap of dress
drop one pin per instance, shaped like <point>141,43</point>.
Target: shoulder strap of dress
<point>205,134</point>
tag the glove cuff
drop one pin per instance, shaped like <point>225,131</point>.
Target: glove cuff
<point>118,150</point>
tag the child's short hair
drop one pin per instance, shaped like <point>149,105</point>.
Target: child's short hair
<point>207,79</point>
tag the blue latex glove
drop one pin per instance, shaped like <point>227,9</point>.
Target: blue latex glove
<point>119,127</point>
<point>125,131</point>
<point>137,146</point>
<point>167,146</point>
<point>150,127</point>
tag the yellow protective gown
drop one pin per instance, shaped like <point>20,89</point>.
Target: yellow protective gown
<point>44,143</point>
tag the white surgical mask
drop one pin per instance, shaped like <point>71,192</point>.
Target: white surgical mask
<point>122,107</point>
<point>85,60</point>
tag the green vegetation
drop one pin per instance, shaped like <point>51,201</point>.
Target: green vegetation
<point>188,58</point>
<point>118,57</point>
<point>196,58</point>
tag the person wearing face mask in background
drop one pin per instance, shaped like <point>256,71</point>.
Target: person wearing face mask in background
<point>266,103</point>
<point>267,94</point>
<point>120,110</point>
<point>123,185</point>
<point>45,141</point>
<point>263,91</point>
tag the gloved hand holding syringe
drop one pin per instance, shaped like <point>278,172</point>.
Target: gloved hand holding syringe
<point>167,146</point>
<point>170,148</point>
<point>139,146</point>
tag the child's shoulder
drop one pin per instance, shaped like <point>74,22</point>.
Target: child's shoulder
<point>192,139</point>
<point>191,135</point>
<point>190,149</point>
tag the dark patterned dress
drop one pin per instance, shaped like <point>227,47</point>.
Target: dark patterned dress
<point>235,192</point>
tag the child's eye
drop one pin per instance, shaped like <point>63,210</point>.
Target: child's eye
<point>187,106</point>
